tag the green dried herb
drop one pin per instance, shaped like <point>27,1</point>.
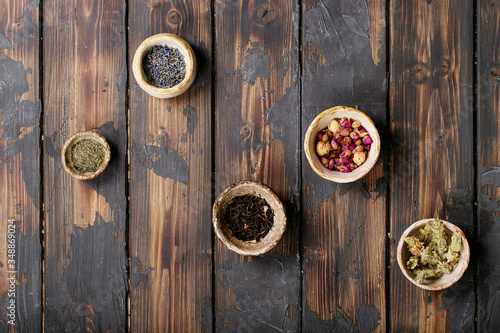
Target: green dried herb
<point>87,155</point>
<point>433,253</point>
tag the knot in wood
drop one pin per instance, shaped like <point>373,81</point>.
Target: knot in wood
<point>445,67</point>
<point>174,17</point>
<point>263,13</point>
<point>419,73</point>
<point>495,72</point>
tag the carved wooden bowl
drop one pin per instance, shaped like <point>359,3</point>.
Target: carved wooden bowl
<point>248,248</point>
<point>67,161</point>
<point>321,122</point>
<point>444,281</point>
<point>171,41</point>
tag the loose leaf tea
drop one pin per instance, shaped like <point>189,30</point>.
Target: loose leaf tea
<point>433,252</point>
<point>164,66</point>
<point>249,217</point>
<point>87,155</point>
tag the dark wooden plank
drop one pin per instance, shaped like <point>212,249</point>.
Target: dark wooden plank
<point>84,81</point>
<point>488,105</point>
<point>170,177</point>
<point>257,126</point>
<point>432,166</point>
<point>19,166</point>
<point>344,225</point>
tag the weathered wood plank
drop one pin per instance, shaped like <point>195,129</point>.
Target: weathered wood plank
<point>257,126</point>
<point>84,89</point>
<point>488,103</point>
<point>19,166</point>
<point>431,158</point>
<point>344,230</point>
<point>170,177</point>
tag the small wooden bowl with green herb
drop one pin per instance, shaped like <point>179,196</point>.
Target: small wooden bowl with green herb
<point>249,218</point>
<point>433,255</point>
<point>85,155</point>
<point>164,65</point>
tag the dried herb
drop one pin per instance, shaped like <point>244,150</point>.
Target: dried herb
<point>433,252</point>
<point>87,155</point>
<point>164,66</point>
<point>249,217</point>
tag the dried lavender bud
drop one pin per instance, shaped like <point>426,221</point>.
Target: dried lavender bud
<point>87,155</point>
<point>164,66</point>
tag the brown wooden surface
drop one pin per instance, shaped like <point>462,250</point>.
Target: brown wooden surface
<point>20,109</point>
<point>344,225</point>
<point>488,170</point>
<point>133,250</point>
<point>432,160</point>
<point>85,260</point>
<point>170,175</point>
<point>256,111</point>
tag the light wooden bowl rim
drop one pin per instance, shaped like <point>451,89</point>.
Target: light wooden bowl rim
<point>66,159</point>
<point>172,41</point>
<point>334,175</point>
<point>448,279</point>
<point>274,235</point>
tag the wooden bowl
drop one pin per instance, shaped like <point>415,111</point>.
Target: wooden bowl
<point>172,41</point>
<point>247,248</point>
<point>68,162</point>
<point>443,282</point>
<point>321,122</point>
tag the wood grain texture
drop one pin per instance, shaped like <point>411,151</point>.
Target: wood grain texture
<point>84,89</point>
<point>488,106</point>
<point>19,164</point>
<point>344,225</point>
<point>257,121</point>
<point>170,176</point>
<point>432,166</point>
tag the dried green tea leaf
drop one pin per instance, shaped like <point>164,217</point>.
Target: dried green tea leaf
<point>433,253</point>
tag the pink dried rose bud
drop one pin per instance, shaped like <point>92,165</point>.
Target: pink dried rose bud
<point>354,135</point>
<point>331,164</point>
<point>345,123</point>
<point>345,153</point>
<point>320,136</point>
<point>367,147</point>
<point>346,160</point>
<point>324,161</point>
<point>352,166</point>
<point>344,168</point>
<point>358,142</point>
<point>347,140</point>
<point>367,140</point>
<point>337,137</point>
<point>361,129</point>
<point>345,147</point>
<point>334,144</point>
<point>334,126</point>
<point>352,146</point>
<point>345,131</point>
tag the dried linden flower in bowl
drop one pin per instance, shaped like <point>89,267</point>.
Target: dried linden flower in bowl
<point>433,253</point>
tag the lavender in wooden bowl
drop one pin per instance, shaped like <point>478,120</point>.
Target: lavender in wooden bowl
<point>164,65</point>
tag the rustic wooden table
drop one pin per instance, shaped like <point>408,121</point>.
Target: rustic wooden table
<point>134,249</point>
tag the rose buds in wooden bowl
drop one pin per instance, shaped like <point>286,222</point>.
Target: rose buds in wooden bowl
<point>248,218</point>
<point>433,254</point>
<point>85,155</point>
<point>342,144</point>
<point>164,65</point>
